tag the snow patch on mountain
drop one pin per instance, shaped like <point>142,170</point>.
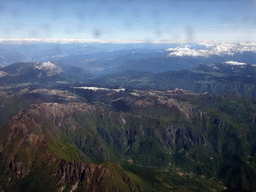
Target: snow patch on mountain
<point>2,73</point>
<point>101,89</point>
<point>234,63</point>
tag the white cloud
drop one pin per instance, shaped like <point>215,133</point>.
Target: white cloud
<point>212,49</point>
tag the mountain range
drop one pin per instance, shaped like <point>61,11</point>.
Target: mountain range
<point>72,124</point>
<point>104,58</point>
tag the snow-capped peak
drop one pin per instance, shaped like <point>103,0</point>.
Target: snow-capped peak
<point>49,67</point>
<point>45,65</point>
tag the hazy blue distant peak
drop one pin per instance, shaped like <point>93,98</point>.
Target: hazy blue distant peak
<point>66,41</point>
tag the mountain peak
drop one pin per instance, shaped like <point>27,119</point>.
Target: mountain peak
<point>29,72</point>
<point>49,68</point>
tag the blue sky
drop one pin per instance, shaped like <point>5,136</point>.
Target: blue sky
<point>144,20</point>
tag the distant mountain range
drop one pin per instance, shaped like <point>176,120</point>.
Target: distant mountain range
<point>161,60</point>
<point>215,78</point>
<point>229,76</point>
<point>100,58</point>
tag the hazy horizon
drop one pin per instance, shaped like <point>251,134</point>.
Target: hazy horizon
<point>130,20</point>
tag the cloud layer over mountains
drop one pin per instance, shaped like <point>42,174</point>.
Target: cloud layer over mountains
<point>212,49</point>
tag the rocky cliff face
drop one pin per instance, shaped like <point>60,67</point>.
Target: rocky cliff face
<point>26,145</point>
<point>99,130</point>
<point>19,145</point>
<point>92,177</point>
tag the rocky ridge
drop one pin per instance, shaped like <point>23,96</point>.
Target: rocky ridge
<point>32,151</point>
<point>141,127</point>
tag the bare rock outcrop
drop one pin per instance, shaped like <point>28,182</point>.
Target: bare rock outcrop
<point>94,177</point>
